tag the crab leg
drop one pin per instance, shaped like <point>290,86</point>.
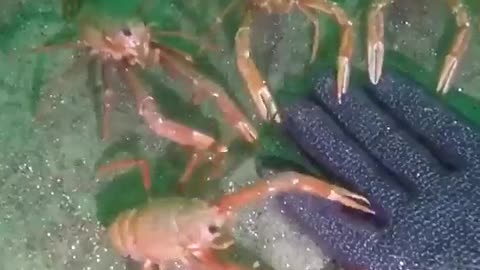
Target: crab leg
<point>128,164</point>
<point>219,18</point>
<point>168,129</point>
<point>196,159</point>
<point>147,108</point>
<point>291,182</point>
<point>256,85</point>
<point>193,39</point>
<point>346,42</point>
<point>206,88</point>
<point>316,28</point>
<point>108,100</point>
<point>122,165</point>
<point>375,40</point>
<point>56,47</point>
<point>459,46</point>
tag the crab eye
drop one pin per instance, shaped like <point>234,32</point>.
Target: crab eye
<point>126,31</point>
<point>213,229</point>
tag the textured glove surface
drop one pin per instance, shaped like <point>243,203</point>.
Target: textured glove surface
<point>416,160</point>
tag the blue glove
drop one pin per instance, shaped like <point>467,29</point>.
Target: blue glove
<point>418,163</point>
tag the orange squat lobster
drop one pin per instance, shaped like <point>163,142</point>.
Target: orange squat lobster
<point>127,47</point>
<point>188,231</point>
<point>257,86</point>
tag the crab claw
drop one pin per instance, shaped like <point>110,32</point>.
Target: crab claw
<point>375,61</point>
<point>255,83</point>
<point>347,39</point>
<point>459,46</point>
<point>448,71</point>
<point>452,59</point>
<point>343,76</point>
<point>376,47</point>
<point>349,199</point>
<point>292,182</point>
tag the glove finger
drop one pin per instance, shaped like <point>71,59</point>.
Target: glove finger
<point>379,134</point>
<point>321,222</point>
<point>338,155</point>
<point>450,136</point>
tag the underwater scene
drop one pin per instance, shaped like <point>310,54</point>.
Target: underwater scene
<point>240,134</point>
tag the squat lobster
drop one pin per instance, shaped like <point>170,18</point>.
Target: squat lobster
<point>127,47</point>
<point>189,231</point>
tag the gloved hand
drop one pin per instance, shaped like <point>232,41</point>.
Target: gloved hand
<point>417,161</point>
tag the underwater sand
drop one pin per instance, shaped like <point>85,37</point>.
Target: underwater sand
<point>48,213</point>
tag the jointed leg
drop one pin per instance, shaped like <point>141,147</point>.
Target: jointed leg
<point>108,100</point>
<point>55,47</point>
<point>196,159</point>
<point>174,52</point>
<point>219,18</point>
<point>376,48</point>
<point>292,182</point>
<point>256,85</point>
<point>376,45</point>
<point>147,108</point>
<point>203,88</point>
<point>316,34</point>
<point>459,45</point>
<point>346,42</point>
<point>119,166</point>
<point>193,162</point>
<point>203,45</point>
<point>178,133</point>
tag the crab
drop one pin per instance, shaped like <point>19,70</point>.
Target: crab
<point>190,231</point>
<point>126,47</point>
<point>256,84</point>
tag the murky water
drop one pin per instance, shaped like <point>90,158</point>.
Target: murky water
<point>52,204</point>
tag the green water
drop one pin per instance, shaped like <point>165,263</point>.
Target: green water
<point>52,206</point>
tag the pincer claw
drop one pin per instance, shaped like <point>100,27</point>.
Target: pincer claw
<point>350,199</point>
<point>448,71</point>
<point>376,51</point>
<point>459,46</point>
<point>266,102</point>
<point>343,76</point>
<point>375,39</point>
